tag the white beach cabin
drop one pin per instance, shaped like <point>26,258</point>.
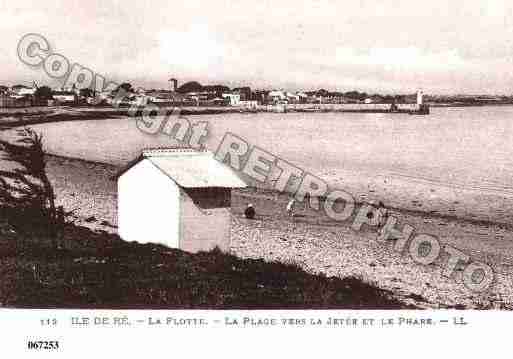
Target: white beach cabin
<point>180,198</point>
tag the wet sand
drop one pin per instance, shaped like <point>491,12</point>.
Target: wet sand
<point>321,245</point>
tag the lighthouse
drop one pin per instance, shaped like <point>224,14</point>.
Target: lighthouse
<point>422,109</point>
<point>420,94</point>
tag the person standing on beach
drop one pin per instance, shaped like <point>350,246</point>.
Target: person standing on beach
<point>382,214</point>
<point>290,207</point>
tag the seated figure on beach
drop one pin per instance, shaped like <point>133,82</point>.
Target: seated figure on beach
<point>380,212</point>
<point>249,212</point>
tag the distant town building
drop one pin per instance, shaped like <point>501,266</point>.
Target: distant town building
<point>9,101</point>
<point>292,97</point>
<point>261,96</point>
<point>276,96</point>
<point>251,104</point>
<point>173,84</point>
<point>233,99</point>
<point>244,92</point>
<point>65,97</point>
<point>165,97</point>
<point>22,90</point>
<point>303,97</point>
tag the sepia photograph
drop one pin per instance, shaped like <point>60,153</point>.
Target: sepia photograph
<point>256,156</point>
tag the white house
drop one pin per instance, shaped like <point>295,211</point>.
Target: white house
<point>233,98</point>
<point>292,97</point>
<point>249,104</point>
<point>22,91</point>
<point>276,96</point>
<point>64,97</point>
<point>180,198</point>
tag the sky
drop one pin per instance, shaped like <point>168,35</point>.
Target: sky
<point>386,46</point>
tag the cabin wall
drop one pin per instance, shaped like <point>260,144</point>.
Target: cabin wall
<point>205,219</point>
<point>148,206</point>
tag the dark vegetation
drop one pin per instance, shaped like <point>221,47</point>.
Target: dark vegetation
<point>98,270</point>
<point>43,93</point>
<point>47,261</point>
<point>26,194</point>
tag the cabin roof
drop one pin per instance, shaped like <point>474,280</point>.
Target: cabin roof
<point>190,168</point>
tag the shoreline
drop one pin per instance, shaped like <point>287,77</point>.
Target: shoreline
<point>274,193</point>
<point>15,117</point>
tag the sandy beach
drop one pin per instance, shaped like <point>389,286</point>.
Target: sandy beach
<point>438,180</point>
<point>320,245</point>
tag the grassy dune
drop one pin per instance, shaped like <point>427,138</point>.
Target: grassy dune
<point>98,270</point>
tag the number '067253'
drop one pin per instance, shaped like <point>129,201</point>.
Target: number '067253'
<point>43,345</point>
